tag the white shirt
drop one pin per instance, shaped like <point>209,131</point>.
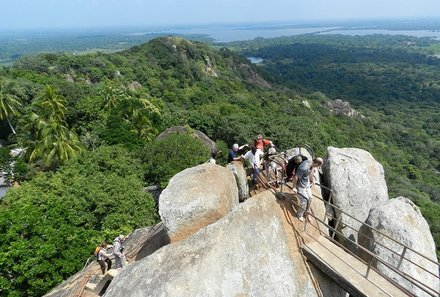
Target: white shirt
<point>254,159</point>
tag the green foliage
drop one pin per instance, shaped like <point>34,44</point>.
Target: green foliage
<point>50,225</point>
<point>166,157</point>
<point>178,82</point>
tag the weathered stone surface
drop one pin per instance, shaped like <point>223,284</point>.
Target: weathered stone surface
<point>340,107</point>
<point>134,85</point>
<point>400,219</point>
<point>250,252</point>
<point>358,184</point>
<point>197,197</point>
<point>239,172</point>
<point>195,133</point>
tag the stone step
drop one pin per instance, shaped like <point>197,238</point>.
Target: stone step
<point>99,283</point>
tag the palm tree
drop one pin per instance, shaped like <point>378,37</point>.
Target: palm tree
<point>56,145</point>
<point>9,103</point>
<point>50,139</point>
<point>50,104</point>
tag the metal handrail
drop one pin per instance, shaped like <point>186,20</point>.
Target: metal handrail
<point>407,277</point>
<point>381,233</point>
<point>412,280</point>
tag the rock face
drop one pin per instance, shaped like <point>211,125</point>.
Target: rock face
<point>339,107</point>
<point>195,133</point>
<point>400,219</point>
<point>250,252</point>
<point>197,197</point>
<point>358,184</point>
<point>239,172</point>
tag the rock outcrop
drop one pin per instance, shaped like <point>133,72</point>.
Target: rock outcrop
<point>194,133</point>
<point>358,184</point>
<point>195,198</point>
<point>339,107</point>
<point>400,219</point>
<point>250,252</point>
<point>239,172</point>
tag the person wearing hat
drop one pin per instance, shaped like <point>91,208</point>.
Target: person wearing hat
<point>302,183</point>
<point>118,251</point>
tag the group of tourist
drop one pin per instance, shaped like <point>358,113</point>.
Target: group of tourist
<point>299,169</point>
<point>103,255</point>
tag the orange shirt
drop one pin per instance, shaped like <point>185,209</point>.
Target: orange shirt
<point>261,143</point>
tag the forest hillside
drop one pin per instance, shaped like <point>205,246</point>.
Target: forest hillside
<point>89,124</point>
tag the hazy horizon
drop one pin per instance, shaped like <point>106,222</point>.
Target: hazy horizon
<point>19,15</point>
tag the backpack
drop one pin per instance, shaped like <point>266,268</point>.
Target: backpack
<point>96,253</point>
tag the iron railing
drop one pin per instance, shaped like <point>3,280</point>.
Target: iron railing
<point>273,183</point>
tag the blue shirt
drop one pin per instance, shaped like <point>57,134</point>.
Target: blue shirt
<point>232,155</point>
<point>302,172</point>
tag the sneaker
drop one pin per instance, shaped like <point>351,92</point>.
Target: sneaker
<point>301,219</point>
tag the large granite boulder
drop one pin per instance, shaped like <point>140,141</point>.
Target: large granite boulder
<point>208,142</point>
<point>197,197</point>
<point>401,220</point>
<point>250,252</point>
<point>358,184</point>
<point>239,172</point>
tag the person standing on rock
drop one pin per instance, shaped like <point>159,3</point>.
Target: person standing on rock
<point>302,183</point>
<point>254,156</point>
<point>118,252</point>
<point>103,257</point>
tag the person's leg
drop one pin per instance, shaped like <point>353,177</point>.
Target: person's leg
<point>256,174</point>
<point>302,199</point>
<point>109,264</point>
<point>118,263</point>
<point>309,203</point>
<point>102,264</point>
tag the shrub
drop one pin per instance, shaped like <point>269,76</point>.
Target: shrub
<point>166,157</point>
<point>50,225</point>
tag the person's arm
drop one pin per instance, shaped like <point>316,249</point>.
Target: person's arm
<point>267,142</point>
<point>261,156</point>
<point>294,181</point>
<point>104,253</point>
<point>312,177</point>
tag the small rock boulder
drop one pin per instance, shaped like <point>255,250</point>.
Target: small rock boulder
<point>358,184</point>
<point>195,198</point>
<point>339,107</point>
<point>239,172</point>
<point>400,219</point>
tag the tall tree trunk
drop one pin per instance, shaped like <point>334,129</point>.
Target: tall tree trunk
<point>10,125</point>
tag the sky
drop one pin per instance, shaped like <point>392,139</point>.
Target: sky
<point>59,14</point>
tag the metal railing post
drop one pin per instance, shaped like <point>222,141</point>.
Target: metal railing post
<point>369,267</point>
<point>402,256</point>
<point>336,227</point>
